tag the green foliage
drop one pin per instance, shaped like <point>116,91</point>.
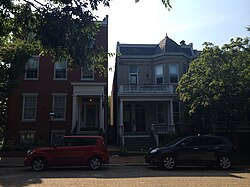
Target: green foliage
<point>13,55</point>
<point>219,79</point>
<point>65,28</point>
<point>61,28</point>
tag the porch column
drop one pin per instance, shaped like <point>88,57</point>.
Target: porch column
<point>101,113</point>
<point>121,127</point>
<point>74,114</point>
<point>171,113</point>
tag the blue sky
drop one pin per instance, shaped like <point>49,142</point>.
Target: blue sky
<point>195,21</point>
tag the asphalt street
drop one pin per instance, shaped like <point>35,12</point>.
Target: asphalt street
<point>124,175</point>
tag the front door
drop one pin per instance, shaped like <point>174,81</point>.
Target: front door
<point>140,119</point>
<point>134,118</point>
<point>90,117</point>
<point>91,111</point>
<point>127,118</point>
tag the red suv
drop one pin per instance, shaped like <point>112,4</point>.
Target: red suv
<point>69,151</point>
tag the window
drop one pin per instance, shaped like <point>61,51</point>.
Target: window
<point>173,73</point>
<point>59,106</point>
<point>31,68</point>
<point>60,70</point>
<point>27,137</point>
<point>160,113</point>
<point>76,142</point>
<point>176,110</point>
<point>29,107</point>
<point>191,141</point>
<point>159,74</point>
<point>87,72</point>
<point>133,74</point>
<point>185,68</point>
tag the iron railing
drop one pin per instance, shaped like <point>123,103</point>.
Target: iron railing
<point>146,88</point>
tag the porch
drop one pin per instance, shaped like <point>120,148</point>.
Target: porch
<point>88,108</point>
<point>137,116</point>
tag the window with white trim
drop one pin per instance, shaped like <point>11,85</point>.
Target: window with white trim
<point>133,75</point>
<point>173,73</point>
<point>32,68</point>
<point>60,70</point>
<point>87,72</point>
<point>159,74</point>
<point>59,106</point>
<point>29,107</point>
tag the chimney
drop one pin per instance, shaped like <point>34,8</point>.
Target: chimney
<point>183,42</point>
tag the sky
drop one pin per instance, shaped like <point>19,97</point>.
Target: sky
<point>195,21</point>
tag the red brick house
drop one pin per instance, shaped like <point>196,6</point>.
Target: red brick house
<point>78,99</point>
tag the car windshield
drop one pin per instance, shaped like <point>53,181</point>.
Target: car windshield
<point>172,143</point>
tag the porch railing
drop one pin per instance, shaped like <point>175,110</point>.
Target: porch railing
<point>146,88</point>
<point>164,129</point>
<point>155,136</point>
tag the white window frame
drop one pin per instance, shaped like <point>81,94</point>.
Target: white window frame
<point>25,95</point>
<point>36,58</point>
<point>58,67</point>
<point>133,74</point>
<point>87,78</point>
<point>177,69</point>
<point>160,75</point>
<point>65,105</point>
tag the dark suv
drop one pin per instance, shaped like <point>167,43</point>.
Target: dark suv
<point>205,150</point>
<point>69,151</point>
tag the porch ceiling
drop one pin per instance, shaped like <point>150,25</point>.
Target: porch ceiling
<point>88,89</point>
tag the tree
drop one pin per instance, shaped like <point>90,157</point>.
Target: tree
<point>61,28</point>
<point>219,80</point>
<point>65,28</point>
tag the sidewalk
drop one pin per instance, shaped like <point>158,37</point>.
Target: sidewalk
<point>114,160</point>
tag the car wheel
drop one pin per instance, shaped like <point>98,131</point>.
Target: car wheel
<point>95,163</point>
<point>39,164</point>
<point>225,162</point>
<point>168,162</point>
